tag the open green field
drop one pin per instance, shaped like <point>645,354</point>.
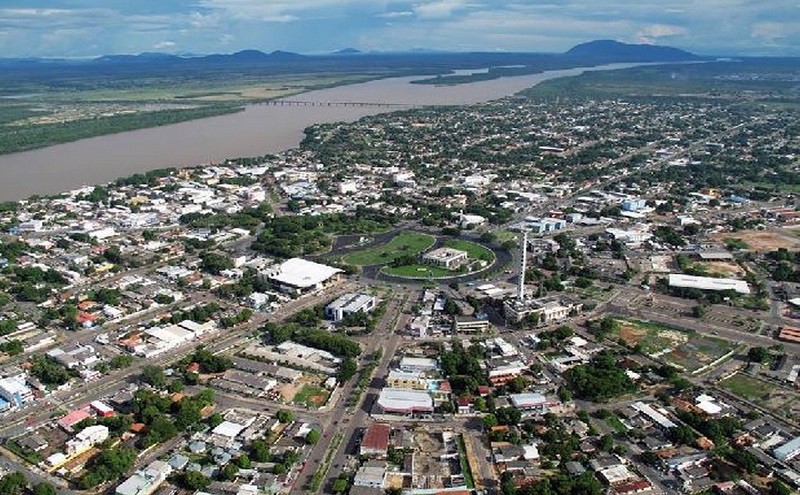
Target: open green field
<point>780,400</point>
<point>747,387</point>
<point>686,350</point>
<point>403,244</point>
<point>474,251</point>
<point>311,396</point>
<point>419,270</point>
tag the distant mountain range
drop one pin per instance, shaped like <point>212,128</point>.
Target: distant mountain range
<point>601,50</point>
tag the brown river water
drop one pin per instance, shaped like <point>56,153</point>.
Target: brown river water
<point>258,130</point>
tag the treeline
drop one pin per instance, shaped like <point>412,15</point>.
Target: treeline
<point>336,344</point>
<point>292,236</point>
<point>601,379</point>
<point>245,219</point>
<point>21,138</point>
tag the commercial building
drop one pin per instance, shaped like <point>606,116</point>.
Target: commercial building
<point>86,439</point>
<point>406,380</point>
<point>655,416</point>
<point>403,402</point>
<point>788,451</point>
<point>446,257</point>
<point>708,283</point>
<point>16,391</point>
<point>349,304</point>
<point>790,334</point>
<point>466,324</point>
<point>376,440</point>
<point>297,276</point>
<point>549,310</point>
<point>633,204</point>
<point>533,402</point>
<point>503,373</point>
<point>370,475</point>
<point>418,364</point>
<point>145,481</point>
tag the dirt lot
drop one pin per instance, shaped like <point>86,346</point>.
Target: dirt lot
<point>724,268</point>
<point>762,241</point>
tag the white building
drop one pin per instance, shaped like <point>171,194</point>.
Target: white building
<point>86,439</point>
<point>349,304</point>
<point>15,391</point>
<point>297,275</point>
<point>418,364</point>
<point>446,257</point>
<point>404,402</point>
<point>145,481</point>
<point>708,283</point>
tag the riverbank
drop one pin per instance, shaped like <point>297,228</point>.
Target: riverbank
<point>256,131</point>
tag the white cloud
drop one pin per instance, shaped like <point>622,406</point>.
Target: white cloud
<point>164,45</point>
<point>438,9</point>
<point>395,15</point>
<point>654,32</point>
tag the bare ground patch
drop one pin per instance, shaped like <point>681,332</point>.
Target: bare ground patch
<point>762,240</point>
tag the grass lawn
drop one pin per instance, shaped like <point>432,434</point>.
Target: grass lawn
<point>311,396</point>
<point>421,271</point>
<point>615,423</point>
<point>747,387</point>
<point>403,244</point>
<point>685,349</point>
<point>474,251</point>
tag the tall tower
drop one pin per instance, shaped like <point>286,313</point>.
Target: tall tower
<point>523,258</point>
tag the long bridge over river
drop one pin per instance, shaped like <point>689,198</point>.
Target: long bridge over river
<point>310,103</point>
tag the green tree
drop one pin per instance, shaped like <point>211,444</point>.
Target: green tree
<point>243,461</point>
<point>229,472</point>
<point>12,483</point>
<point>194,481</point>
<point>285,416</point>
<point>44,488</point>
<point>759,355</point>
<point>779,488</point>
<point>347,370</point>
<point>312,437</point>
<point>154,376</point>
<point>340,485</point>
<point>259,450</point>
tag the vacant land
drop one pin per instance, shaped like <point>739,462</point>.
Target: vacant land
<point>686,350</point>
<point>763,241</point>
<point>404,244</point>
<point>721,268</point>
<point>747,387</point>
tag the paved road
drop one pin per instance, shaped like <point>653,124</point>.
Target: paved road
<point>348,422</point>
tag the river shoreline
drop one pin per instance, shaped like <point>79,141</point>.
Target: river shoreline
<point>256,131</point>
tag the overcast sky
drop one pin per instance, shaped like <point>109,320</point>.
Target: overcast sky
<point>76,28</point>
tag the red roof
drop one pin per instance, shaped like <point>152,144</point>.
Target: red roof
<point>464,401</point>
<point>85,317</point>
<point>635,486</point>
<point>376,438</point>
<point>444,386</point>
<point>483,390</point>
<point>73,418</point>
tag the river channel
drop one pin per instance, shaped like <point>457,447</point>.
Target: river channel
<point>258,130</point>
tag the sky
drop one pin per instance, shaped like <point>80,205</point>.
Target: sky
<point>83,28</point>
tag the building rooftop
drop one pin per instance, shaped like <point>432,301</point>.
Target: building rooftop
<point>301,273</point>
<point>708,283</point>
<point>228,429</point>
<point>376,438</point>
<point>404,401</point>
